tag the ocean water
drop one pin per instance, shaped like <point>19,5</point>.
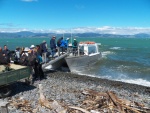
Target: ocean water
<point>123,59</point>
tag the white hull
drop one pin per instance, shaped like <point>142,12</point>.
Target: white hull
<point>81,63</point>
<point>56,63</point>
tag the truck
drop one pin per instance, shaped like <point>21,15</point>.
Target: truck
<point>11,74</point>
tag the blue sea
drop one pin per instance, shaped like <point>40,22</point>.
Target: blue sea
<point>123,59</point>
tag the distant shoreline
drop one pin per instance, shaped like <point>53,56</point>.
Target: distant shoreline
<point>28,34</point>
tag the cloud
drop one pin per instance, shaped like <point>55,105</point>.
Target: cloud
<point>29,0</point>
<point>100,30</point>
<point>12,30</point>
<point>8,25</point>
<point>112,30</point>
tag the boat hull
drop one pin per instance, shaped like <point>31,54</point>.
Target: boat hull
<point>81,63</point>
<point>55,63</point>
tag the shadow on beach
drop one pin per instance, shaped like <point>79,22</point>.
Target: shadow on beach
<point>20,87</point>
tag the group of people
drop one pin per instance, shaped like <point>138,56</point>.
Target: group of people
<point>35,56</point>
<point>62,45</point>
<point>31,57</point>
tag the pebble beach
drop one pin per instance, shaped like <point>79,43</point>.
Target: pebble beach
<point>67,88</point>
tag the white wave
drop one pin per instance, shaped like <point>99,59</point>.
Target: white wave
<point>122,78</point>
<point>137,81</point>
<point>105,53</point>
<point>116,48</point>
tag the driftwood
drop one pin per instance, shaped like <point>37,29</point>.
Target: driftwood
<point>22,104</point>
<point>50,104</point>
<point>3,107</point>
<point>111,102</point>
<point>42,99</point>
<point>80,109</point>
<point>120,105</point>
<point>95,102</point>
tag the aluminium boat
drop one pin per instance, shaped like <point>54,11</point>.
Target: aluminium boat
<point>86,55</point>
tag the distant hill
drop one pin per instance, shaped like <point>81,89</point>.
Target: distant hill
<point>28,34</point>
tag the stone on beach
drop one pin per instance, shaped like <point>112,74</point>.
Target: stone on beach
<point>67,89</point>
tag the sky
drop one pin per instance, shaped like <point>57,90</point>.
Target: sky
<point>76,16</point>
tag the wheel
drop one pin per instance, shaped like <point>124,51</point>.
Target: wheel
<point>5,91</point>
<point>28,81</point>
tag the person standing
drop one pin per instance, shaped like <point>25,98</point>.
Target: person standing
<point>17,55</point>
<point>59,44</point>
<point>66,43</point>
<point>53,46</point>
<point>39,61</point>
<point>74,46</point>
<point>44,51</point>
<point>3,60</point>
<point>6,53</point>
<point>62,46</point>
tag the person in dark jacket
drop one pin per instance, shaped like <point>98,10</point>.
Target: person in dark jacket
<point>59,44</point>
<point>3,60</point>
<point>74,46</point>
<point>44,51</point>
<point>53,45</point>
<point>6,53</point>
<point>39,61</point>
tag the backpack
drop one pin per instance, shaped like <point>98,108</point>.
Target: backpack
<point>59,42</point>
<point>41,47</point>
<point>23,60</point>
<point>31,60</point>
<point>75,43</point>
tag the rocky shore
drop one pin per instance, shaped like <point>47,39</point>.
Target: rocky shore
<point>67,88</point>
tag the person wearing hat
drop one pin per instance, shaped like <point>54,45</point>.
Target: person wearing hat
<point>24,57</point>
<point>66,43</point>
<point>74,46</point>
<point>59,44</point>
<point>17,55</point>
<point>32,47</point>
<point>43,46</point>
<point>53,46</point>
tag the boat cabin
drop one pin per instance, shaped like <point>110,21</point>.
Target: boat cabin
<point>88,48</point>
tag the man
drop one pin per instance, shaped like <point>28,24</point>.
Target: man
<point>44,51</point>
<point>74,46</point>
<point>6,53</point>
<point>66,43</point>
<point>3,60</point>
<point>40,72</point>
<point>59,43</point>
<point>53,46</point>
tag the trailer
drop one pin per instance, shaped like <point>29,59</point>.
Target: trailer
<point>11,74</point>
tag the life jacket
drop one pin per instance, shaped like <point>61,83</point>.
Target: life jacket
<point>75,43</point>
<point>59,42</point>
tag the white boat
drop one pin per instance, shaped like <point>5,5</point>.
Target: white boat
<point>87,54</point>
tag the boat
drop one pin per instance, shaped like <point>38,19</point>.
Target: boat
<point>87,55</point>
<point>56,63</point>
